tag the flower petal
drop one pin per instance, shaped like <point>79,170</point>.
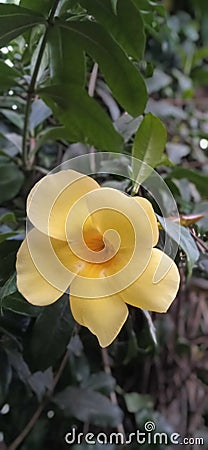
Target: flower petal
<point>147,206</point>
<point>104,317</point>
<point>145,293</point>
<point>128,237</point>
<point>30,282</point>
<point>45,268</point>
<point>51,199</point>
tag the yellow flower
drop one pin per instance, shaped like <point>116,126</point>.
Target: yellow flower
<point>98,241</point>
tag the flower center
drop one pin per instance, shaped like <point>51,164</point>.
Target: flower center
<point>94,240</point>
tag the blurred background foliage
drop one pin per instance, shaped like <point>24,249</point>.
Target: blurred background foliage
<point>53,375</point>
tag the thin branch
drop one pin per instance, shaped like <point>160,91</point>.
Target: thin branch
<point>24,433</point>
<point>15,444</point>
<point>113,396</point>
<point>201,244</point>
<point>31,88</point>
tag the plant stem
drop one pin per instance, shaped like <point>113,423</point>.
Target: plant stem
<point>15,444</point>
<point>113,396</point>
<point>31,88</point>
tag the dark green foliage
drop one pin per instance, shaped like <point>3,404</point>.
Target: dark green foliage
<point>151,77</point>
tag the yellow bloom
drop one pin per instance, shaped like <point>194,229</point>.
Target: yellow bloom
<point>98,241</point>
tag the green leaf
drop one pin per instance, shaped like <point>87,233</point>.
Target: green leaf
<point>7,235</point>
<point>200,180</point>
<point>11,179</point>
<point>8,76</point>
<point>17,304</point>
<point>83,119</point>
<point>149,145</point>
<point>187,242</point>
<point>66,59</point>
<point>121,75</point>
<point>53,327</point>
<point>40,6</point>
<point>88,406</point>
<point>15,20</point>
<point>50,134</point>
<point>126,26</point>
<point>8,217</point>
<point>9,287</point>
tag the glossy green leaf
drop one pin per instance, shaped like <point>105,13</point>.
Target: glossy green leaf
<point>83,119</point>
<point>66,59</point>
<point>11,179</point>
<point>123,78</point>
<point>148,146</point>
<point>88,406</point>
<point>40,6</point>
<point>18,305</point>
<point>15,20</point>
<point>126,26</point>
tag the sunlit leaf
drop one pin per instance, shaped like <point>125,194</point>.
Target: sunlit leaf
<point>149,145</point>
